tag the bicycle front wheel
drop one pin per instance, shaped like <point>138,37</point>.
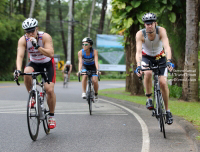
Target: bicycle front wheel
<point>161,116</point>
<point>89,99</point>
<point>32,115</point>
<point>46,112</point>
<point>64,82</point>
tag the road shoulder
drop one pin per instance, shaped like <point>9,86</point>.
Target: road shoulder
<point>190,130</point>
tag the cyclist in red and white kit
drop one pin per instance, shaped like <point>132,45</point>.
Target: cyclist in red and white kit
<point>40,47</point>
<point>149,46</point>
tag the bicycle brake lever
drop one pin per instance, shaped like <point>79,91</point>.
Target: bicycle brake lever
<point>79,77</point>
<point>17,82</point>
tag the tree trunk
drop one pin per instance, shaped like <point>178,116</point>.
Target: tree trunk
<point>32,8</point>
<point>62,31</point>
<point>108,26</point>
<point>102,19</point>
<point>19,8</point>
<point>48,16</point>
<point>133,84</point>
<point>24,8</point>
<point>72,54</point>
<point>91,14</point>
<point>191,70</point>
<point>11,7</point>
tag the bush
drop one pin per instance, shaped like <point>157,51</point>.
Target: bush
<point>113,76</point>
<point>9,77</point>
<point>175,91</point>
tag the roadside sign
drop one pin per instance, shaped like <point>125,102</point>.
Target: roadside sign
<point>60,65</point>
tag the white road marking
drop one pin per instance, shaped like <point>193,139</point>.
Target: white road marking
<point>76,108</point>
<point>145,133</point>
<point>63,108</point>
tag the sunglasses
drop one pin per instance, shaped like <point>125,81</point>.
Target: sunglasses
<point>85,44</point>
<point>30,31</point>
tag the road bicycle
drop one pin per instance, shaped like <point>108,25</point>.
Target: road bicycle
<point>37,108</point>
<point>90,88</point>
<point>159,111</point>
<point>65,82</point>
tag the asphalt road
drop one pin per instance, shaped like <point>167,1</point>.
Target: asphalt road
<point>115,126</point>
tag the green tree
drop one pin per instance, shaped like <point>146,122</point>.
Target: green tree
<point>176,32</point>
<point>10,32</point>
<point>127,17</point>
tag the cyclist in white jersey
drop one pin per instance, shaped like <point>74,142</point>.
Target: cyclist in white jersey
<point>40,47</point>
<point>149,46</point>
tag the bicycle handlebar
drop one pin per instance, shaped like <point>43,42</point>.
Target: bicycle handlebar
<point>150,66</point>
<point>43,74</point>
<point>89,73</point>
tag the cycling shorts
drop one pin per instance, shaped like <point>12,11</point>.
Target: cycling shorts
<point>89,67</point>
<point>50,68</point>
<point>146,58</point>
<point>66,72</point>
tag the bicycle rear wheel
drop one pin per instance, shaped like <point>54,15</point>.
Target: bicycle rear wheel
<point>46,112</point>
<point>161,116</point>
<point>33,115</point>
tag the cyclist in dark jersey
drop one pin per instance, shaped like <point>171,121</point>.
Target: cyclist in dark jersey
<point>67,69</point>
<point>88,60</point>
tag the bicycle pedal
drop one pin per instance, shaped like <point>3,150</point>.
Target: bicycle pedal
<point>153,112</point>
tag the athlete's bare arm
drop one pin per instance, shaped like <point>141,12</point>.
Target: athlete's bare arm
<point>80,60</point>
<point>20,52</point>
<point>70,68</point>
<point>139,40</point>
<point>96,59</point>
<point>165,41</point>
<point>48,49</point>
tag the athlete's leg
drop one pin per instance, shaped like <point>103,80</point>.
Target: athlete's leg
<point>148,82</point>
<point>95,83</point>
<point>68,76</point>
<point>164,90</point>
<point>28,78</point>
<point>84,83</point>
<point>51,96</point>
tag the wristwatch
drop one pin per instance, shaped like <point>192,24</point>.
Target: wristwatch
<point>169,60</point>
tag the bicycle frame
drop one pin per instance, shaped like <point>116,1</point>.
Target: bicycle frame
<point>156,89</point>
<point>36,111</point>
<point>158,111</point>
<point>89,88</point>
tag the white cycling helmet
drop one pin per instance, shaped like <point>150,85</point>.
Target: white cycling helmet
<point>68,62</point>
<point>30,24</point>
<point>149,18</point>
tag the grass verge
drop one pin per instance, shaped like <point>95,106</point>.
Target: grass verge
<point>188,110</point>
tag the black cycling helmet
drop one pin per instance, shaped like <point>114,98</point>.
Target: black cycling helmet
<point>148,18</point>
<point>88,39</point>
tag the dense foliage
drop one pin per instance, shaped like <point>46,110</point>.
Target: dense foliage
<point>10,32</point>
<point>12,13</point>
